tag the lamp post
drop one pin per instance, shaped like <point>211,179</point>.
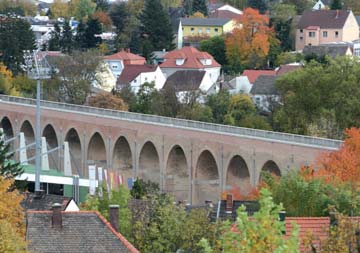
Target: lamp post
<point>37,136</point>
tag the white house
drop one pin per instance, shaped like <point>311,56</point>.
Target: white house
<point>239,84</point>
<point>321,5</point>
<point>264,93</point>
<point>189,58</point>
<point>188,83</point>
<point>136,75</point>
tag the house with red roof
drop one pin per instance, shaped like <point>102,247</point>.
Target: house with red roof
<point>226,11</point>
<point>190,58</point>
<point>119,60</point>
<point>135,76</point>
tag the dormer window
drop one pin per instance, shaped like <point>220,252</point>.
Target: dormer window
<point>180,61</point>
<point>206,62</point>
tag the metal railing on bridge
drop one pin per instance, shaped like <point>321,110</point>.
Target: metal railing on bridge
<point>182,123</point>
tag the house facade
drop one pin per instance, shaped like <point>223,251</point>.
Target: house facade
<point>326,26</point>
<point>118,61</point>
<point>206,27</point>
<point>189,58</point>
<point>136,75</point>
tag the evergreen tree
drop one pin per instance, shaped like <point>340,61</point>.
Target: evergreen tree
<point>119,15</point>
<point>8,169</point>
<point>199,6</point>
<point>93,27</point>
<point>66,40</point>
<point>156,29</point>
<point>258,4</point>
<point>16,36</point>
<point>102,5</point>
<point>54,42</point>
<point>336,5</point>
<point>80,40</point>
<point>188,9</point>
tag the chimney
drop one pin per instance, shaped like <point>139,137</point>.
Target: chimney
<point>128,50</point>
<point>337,14</point>
<point>39,194</point>
<point>229,203</point>
<point>114,216</point>
<point>333,218</point>
<point>56,216</point>
<point>282,217</point>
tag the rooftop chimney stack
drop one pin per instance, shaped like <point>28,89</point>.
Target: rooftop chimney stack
<point>114,216</point>
<point>56,216</point>
<point>229,203</point>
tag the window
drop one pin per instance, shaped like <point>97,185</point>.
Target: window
<point>301,37</point>
<point>208,30</point>
<point>114,66</point>
<point>200,30</point>
<point>216,30</point>
<point>357,52</point>
<point>145,78</point>
<point>192,30</point>
<point>301,30</point>
<point>311,34</point>
<point>325,34</point>
<point>336,34</point>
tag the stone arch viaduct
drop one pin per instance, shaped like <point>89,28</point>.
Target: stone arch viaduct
<point>193,160</point>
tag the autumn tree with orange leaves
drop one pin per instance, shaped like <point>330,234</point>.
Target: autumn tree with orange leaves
<point>342,165</point>
<point>249,43</point>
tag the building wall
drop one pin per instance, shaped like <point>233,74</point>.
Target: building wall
<point>116,67</point>
<point>351,29</point>
<point>202,31</point>
<point>157,77</point>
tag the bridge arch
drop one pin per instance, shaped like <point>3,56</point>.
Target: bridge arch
<point>207,178</point>
<point>75,147</point>
<point>272,167</point>
<point>149,163</point>
<point>52,142</point>
<point>7,127</point>
<point>122,158</point>
<point>29,134</point>
<point>177,174</point>
<point>96,153</point>
<point>238,175</point>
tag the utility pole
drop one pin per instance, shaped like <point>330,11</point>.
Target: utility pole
<point>37,135</point>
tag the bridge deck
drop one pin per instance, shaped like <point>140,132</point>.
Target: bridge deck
<point>294,139</point>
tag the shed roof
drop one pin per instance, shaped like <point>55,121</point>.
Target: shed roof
<point>264,85</point>
<point>329,19</point>
<point>204,21</point>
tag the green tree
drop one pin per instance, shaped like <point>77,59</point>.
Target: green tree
<point>102,5</point>
<point>219,104</point>
<point>263,232</point>
<point>82,9</point>
<point>240,4</point>
<point>93,28</point>
<point>171,3</point>
<point>336,5</point>
<point>300,5</point>
<point>258,4</point>
<point>216,47</point>
<point>16,37</point>
<point>281,18</point>
<point>55,38</point>
<point>101,201</point>
<point>75,75</point>
<point>119,14</point>
<point>80,39</point>
<point>24,85</point>
<point>320,99</point>
<point>146,98</point>
<point>8,169</point>
<point>66,40</point>
<point>188,7</point>
<point>156,28</point>
<point>242,112</point>
<point>199,6</point>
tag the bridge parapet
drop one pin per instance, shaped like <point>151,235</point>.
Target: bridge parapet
<point>293,139</point>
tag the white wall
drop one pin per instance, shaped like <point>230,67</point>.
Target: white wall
<point>241,84</point>
<point>263,101</point>
<point>116,67</point>
<point>157,76</point>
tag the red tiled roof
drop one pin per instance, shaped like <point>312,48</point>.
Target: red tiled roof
<point>252,75</point>
<point>224,14</point>
<point>192,58</point>
<point>309,227</point>
<point>124,55</point>
<point>130,72</point>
